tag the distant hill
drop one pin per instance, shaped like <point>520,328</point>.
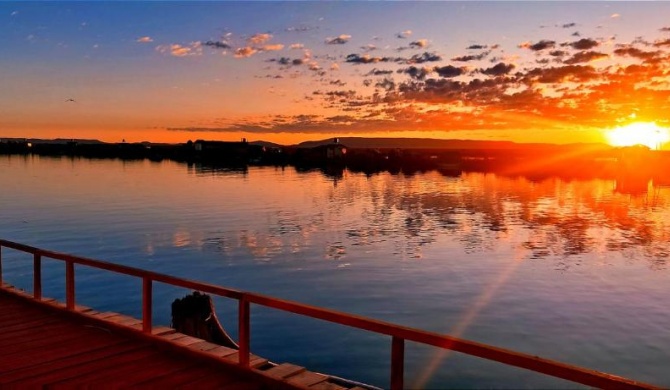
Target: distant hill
<point>267,144</point>
<point>52,141</point>
<point>430,143</point>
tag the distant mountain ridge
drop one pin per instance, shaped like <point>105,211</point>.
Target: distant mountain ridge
<point>362,143</point>
<point>51,141</point>
<point>432,143</point>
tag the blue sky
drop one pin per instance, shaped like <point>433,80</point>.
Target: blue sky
<point>289,71</point>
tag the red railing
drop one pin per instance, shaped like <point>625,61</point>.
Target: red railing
<point>399,334</point>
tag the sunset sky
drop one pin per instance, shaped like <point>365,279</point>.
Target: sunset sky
<point>293,71</point>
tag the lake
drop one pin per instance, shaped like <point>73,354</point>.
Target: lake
<point>575,271</point>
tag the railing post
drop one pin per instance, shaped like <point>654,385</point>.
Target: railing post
<point>69,285</point>
<point>397,363</point>
<point>244,328</point>
<point>37,276</point>
<point>147,304</point>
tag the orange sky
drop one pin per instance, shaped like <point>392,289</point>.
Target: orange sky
<point>169,72</point>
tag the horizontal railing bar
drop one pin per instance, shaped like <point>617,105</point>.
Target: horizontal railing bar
<point>530,362</point>
<point>518,359</point>
<point>127,270</point>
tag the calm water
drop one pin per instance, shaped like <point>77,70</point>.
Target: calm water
<point>574,271</point>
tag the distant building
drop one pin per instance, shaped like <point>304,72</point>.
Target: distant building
<point>332,153</point>
<point>226,151</point>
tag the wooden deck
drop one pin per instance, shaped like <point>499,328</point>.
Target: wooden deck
<point>45,347</point>
<point>32,351</point>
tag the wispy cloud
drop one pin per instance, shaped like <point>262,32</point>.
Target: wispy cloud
<point>404,34</point>
<point>258,39</point>
<point>541,45</point>
<point>274,47</point>
<point>584,44</point>
<point>245,52</point>
<point>178,50</point>
<point>418,44</point>
<point>144,39</point>
<point>218,45</point>
<point>339,40</point>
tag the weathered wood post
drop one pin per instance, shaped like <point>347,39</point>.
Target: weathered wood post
<point>194,315</point>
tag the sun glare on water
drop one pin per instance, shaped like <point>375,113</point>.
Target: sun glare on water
<point>639,133</point>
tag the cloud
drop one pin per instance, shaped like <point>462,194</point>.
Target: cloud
<point>334,66</point>
<point>341,40</point>
<point>286,61</point>
<point>476,47</point>
<point>637,53</point>
<point>665,42</point>
<point>369,47</point>
<point>585,56</point>
<point>664,29</point>
<point>299,28</point>
<point>379,72</point>
<point>259,39</point>
<point>295,46</point>
<point>313,65</point>
<point>144,39</point>
<point>245,52</point>
<point>541,45</point>
<point>404,34</point>
<point>498,70</point>
<point>558,53</point>
<point>275,47</point>
<point>471,57</point>
<point>449,71</point>
<point>386,84</point>
<point>14,13</point>
<point>569,25</point>
<point>416,72</point>
<point>218,45</point>
<point>177,50</point>
<point>418,44</point>
<point>424,57</point>
<point>615,16</point>
<point>564,73</point>
<point>584,44</point>
<point>365,59</point>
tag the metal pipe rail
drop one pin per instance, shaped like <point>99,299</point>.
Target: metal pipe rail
<point>399,334</point>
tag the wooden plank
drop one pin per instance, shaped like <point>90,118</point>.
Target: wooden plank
<point>307,379</point>
<point>221,352</point>
<point>186,341</point>
<point>89,370</point>
<point>35,336</point>
<point>133,372</point>
<point>175,378</point>
<point>65,356</point>
<point>173,336</point>
<point>203,346</point>
<point>211,381</point>
<point>284,371</point>
<point>162,330</point>
<point>254,361</point>
<point>331,386</point>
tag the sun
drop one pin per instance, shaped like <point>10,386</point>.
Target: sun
<point>639,133</point>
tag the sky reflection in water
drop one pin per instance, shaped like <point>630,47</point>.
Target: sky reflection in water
<point>570,270</point>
